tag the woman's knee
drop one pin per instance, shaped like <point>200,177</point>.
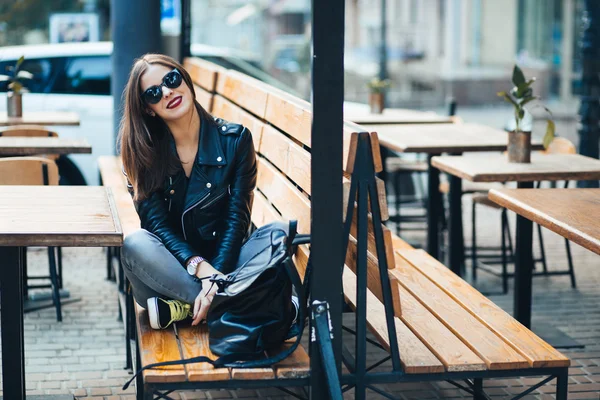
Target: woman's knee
<point>136,246</point>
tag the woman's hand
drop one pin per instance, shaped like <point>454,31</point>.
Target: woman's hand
<point>206,295</point>
<point>203,301</point>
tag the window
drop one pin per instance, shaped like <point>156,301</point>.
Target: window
<point>40,68</point>
<point>86,75</point>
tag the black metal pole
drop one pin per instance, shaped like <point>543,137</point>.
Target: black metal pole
<point>589,110</point>
<point>383,74</point>
<point>456,239</point>
<point>13,352</point>
<point>186,29</point>
<point>326,169</point>
<point>434,205</point>
<point>131,40</point>
<point>523,266</point>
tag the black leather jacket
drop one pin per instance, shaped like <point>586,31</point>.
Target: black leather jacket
<point>210,215</point>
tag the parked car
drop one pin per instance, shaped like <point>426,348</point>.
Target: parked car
<point>76,77</point>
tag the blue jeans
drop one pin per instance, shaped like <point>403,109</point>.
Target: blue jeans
<point>154,272</point>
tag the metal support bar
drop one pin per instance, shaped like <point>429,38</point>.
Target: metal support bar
<point>289,392</point>
<point>532,388</point>
<point>327,250</point>
<point>322,335</point>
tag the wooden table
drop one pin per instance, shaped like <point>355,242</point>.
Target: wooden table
<point>43,216</point>
<point>496,168</point>
<point>397,116</point>
<point>66,118</point>
<point>435,139</point>
<point>26,146</point>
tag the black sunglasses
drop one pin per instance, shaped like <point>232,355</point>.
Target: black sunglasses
<point>153,94</point>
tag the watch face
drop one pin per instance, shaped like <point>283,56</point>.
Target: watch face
<point>192,268</point>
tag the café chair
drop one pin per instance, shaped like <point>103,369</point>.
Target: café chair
<point>35,171</point>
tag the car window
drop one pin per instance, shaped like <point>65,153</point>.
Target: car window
<point>41,69</point>
<point>85,75</point>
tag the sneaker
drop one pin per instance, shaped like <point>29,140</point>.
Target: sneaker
<point>163,313</point>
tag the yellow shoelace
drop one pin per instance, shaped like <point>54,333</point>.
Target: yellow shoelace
<point>179,310</point>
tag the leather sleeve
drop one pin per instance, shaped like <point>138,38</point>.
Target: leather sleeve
<point>237,218</point>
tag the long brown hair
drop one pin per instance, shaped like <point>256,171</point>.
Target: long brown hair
<point>145,140</point>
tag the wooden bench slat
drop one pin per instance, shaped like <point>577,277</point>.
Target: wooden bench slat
<point>387,238</point>
<point>203,73</point>
<point>449,349</point>
<point>244,91</point>
<point>290,114</point>
<point>158,346</point>
<point>415,357</point>
<point>203,97</point>
<point>194,343</point>
<point>485,343</point>
<point>285,197</point>
<point>225,109</point>
<point>296,365</point>
<point>252,373</point>
<point>288,156</point>
<point>539,353</point>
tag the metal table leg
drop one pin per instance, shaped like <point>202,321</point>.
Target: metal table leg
<point>523,266</point>
<point>456,239</point>
<point>434,205</point>
<point>11,297</point>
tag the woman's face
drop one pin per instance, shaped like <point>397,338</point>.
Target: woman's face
<point>175,102</point>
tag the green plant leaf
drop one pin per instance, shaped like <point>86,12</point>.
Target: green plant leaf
<point>523,88</point>
<point>521,113</point>
<point>528,99</point>
<point>518,78</point>
<point>549,136</point>
<point>19,62</point>
<point>508,99</point>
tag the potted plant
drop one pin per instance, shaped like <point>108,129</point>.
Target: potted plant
<point>14,95</point>
<point>519,140</point>
<point>377,89</point>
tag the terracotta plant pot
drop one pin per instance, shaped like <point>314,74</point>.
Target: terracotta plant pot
<point>377,102</point>
<point>519,147</point>
<point>14,104</point>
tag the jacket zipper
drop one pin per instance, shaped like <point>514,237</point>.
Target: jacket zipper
<point>170,197</point>
<point>213,200</point>
<point>188,209</point>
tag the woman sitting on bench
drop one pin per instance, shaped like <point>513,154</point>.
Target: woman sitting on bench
<point>192,179</point>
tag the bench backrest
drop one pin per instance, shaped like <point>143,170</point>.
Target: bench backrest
<point>281,127</point>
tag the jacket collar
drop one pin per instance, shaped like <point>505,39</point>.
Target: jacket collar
<point>210,151</point>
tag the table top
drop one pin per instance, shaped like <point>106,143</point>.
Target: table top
<point>25,146</point>
<point>443,138</point>
<point>397,116</point>
<point>70,216</point>
<point>41,118</point>
<point>572,213</point>
<point>496,168</point>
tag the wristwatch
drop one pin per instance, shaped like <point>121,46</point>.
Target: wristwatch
<point>192,266</point>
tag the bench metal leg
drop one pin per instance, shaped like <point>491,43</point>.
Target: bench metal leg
<point>562,385</point>
<point>478,389</point>
<point>109,271</point>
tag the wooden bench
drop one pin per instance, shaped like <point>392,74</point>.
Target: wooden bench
<point>446,330</point>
